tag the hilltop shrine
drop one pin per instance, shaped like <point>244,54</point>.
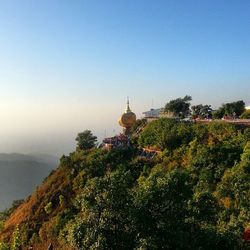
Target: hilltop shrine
<point>126,121</point>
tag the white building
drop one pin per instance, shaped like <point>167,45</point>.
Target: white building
<point>152,113</point>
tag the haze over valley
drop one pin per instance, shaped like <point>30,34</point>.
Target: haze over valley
<point>21,174</point>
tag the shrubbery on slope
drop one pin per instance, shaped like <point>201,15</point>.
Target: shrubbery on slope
<point>193,195</point>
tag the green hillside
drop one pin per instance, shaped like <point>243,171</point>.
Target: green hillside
<point>194,194</point>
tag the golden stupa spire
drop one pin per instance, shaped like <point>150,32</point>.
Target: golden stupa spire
<point>127,108</point>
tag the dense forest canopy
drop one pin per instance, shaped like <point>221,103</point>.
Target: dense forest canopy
<point>193,195</point>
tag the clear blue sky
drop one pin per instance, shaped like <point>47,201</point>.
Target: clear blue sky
<point>69,65</point>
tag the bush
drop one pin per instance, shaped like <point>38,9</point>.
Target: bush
<point>16,239</point>
<point>48,208</point>
<point>245,115</point>
<point>4,246</point>
<point>166,134</point>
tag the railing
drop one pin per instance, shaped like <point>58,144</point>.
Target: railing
<point>234,121</point>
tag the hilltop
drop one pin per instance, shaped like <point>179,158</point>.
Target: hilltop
<point>20,174</point>
<point>193,194</point>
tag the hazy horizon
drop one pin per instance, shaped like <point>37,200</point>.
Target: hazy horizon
<point>69,66</point>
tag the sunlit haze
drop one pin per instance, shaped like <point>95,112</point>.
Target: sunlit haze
<point>67,66</point>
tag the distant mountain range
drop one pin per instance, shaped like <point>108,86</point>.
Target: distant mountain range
<point>20,174</point>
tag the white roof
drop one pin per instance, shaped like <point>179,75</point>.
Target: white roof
<point>152,112</point>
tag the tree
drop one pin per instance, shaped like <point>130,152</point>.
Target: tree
<point>179,107</point>
<point>161,205</point>
<point>233,193</point>
<point>230,109</point>
<point>205,208</point>
<point>86,140</point>
<point>235,107</point>
<point>201,111</point>
<point>106,206</point>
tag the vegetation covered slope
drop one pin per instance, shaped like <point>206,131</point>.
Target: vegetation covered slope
<point>193,195</point>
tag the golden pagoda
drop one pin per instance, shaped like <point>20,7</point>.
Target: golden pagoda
<point>127,120</point>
